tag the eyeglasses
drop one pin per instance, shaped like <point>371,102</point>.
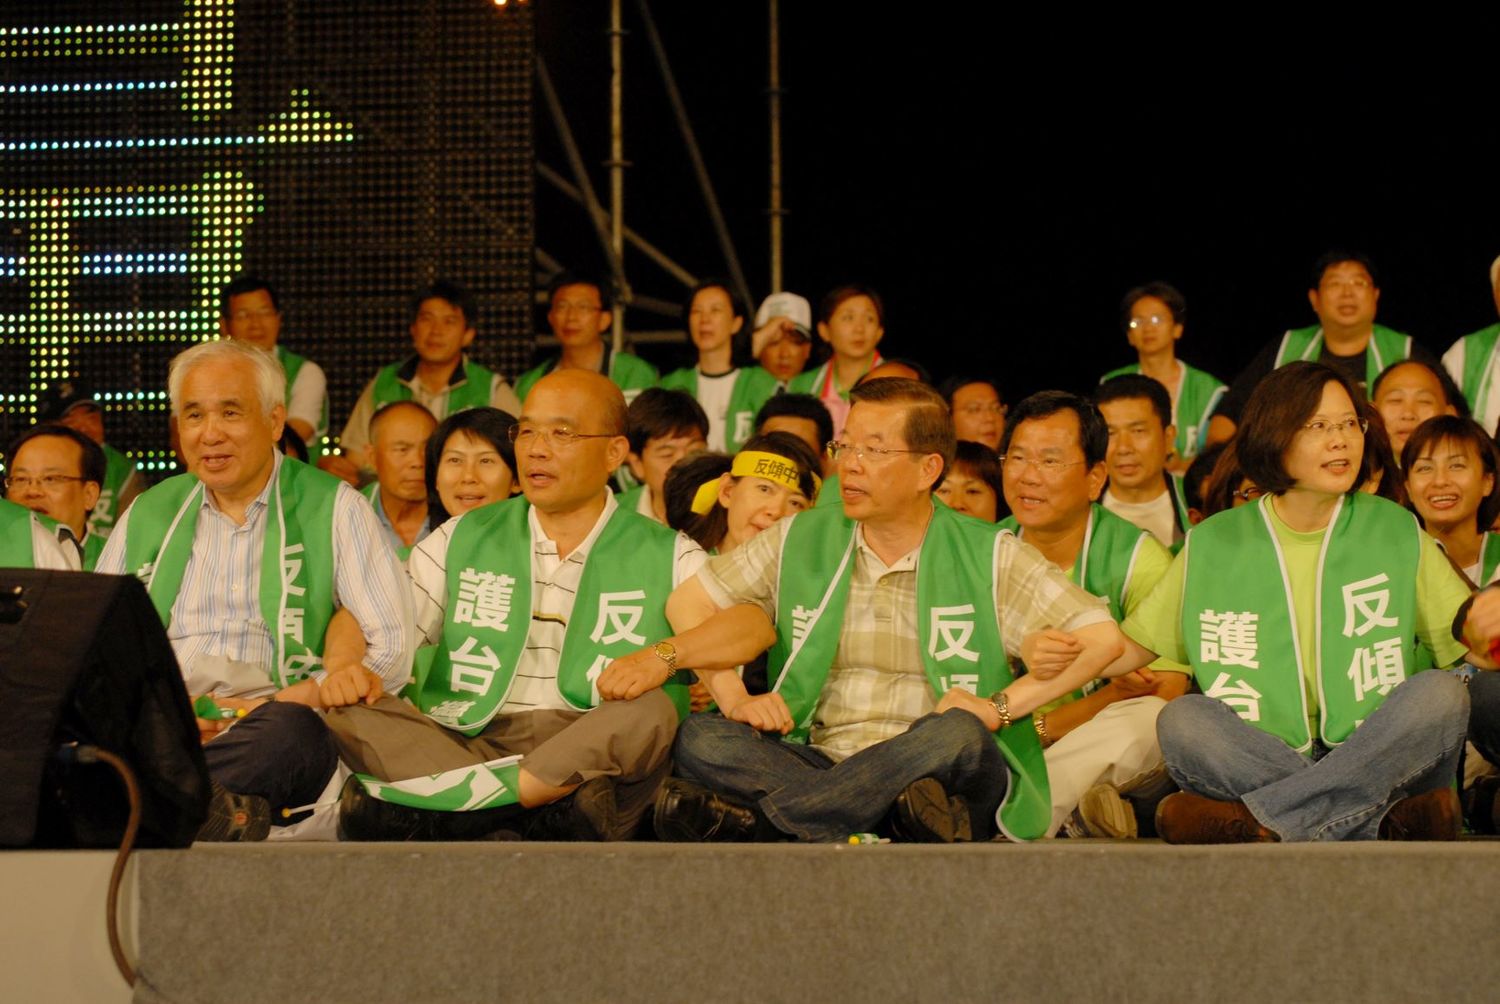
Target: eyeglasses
<point>1248,494</point>
<point>560,438</point>
<point>1346,427</point>
<point>1153,320</point>
<point>49,482</point>
<point>875,454</point>
<point>1048,466</point>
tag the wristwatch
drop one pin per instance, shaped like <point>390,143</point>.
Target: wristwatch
<point>1002,708</point>
<point>667,653</point>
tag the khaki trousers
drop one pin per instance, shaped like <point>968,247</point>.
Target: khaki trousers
<point>626,740</point>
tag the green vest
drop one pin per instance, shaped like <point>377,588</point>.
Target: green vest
<point>117,470</point>
<point>15,536</point>
<point>473,391</point>
<point>1386,346</point>
<point>291,363</point>
<point>1107,558</point>
<point>1489,558</point>
<point>753,386</point>
<point>1235,595</point>
<point>829,495</point>
<point>1479,358</point>
<point>620,607</point>
<point>955,610</point>
<point>299,542</point>
<point>1104,566</point>
<point>93,546</point>
<point>1193,407</point>
<point>630,373</point>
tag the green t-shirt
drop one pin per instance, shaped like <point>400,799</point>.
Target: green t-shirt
<point>1156,623</point>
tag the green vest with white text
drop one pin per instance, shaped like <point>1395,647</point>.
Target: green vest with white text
<point>753,386</point>
<point>297,603</point>
<point>620,607</point>
<point>958,627</point>
<point>1240,627</point>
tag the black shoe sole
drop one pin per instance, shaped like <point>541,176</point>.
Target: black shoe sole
<point>235,818</point>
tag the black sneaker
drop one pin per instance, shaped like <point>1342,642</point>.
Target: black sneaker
<point>365,817</point>
<point>588,813</point>
<point>924,813</point>
<point>687,812</point>
<point>234,818</point>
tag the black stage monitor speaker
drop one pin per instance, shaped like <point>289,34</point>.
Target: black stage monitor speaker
<point>84,659</point>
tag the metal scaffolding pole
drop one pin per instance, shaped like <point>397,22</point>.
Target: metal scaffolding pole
<point>617,167</point>
<point>635,240</point>
<point>721,229</point>
<point>585,187</point>
<point>773,96</point>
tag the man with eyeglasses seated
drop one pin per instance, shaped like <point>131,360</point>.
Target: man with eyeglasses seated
<point>1100,739</point>
<point>526,601</point>
<point>1344,293</point>
<point>58,472</point>
<point>892,693</point>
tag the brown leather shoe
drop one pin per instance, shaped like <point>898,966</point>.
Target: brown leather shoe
<point>1184,818</point>
<point>924,813</point>
<point>1432,815</point>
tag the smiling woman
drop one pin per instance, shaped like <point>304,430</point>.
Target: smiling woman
<point>470,462</point>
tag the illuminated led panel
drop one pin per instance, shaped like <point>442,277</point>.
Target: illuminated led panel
<point>346,151</point>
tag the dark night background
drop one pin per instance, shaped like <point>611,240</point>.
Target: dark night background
<point>1002,179</point>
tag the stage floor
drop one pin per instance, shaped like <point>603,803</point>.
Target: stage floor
<point>1064,920</point>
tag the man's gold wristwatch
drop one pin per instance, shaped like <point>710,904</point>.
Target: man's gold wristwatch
<point>667,653</point>
<point>1001,703</point>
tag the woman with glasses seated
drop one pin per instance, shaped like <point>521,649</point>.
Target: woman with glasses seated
<point>1301,615</point>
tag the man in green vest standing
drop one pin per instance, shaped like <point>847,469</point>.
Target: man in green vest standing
<point>250,312</point>
<point>579,313</point>
<point>246,557</point>
<point>68,403</point>
<point>1100,740</point>
<point>57,471</point>
<point>1474,363</point>
<point>439,375</point>
<point>1344,293</point>
<point>526,601</point>
<point>896,620</point>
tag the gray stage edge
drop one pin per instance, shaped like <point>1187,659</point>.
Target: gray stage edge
<point>1062,921</point>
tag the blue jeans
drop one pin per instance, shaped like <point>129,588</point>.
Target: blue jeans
<point>1409,745</point>
<point>806,794</point>
<point>1484,714</point>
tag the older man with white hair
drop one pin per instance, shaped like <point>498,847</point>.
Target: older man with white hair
<point>203,542</point>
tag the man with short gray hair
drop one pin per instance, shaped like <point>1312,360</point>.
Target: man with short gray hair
<point>252,642</point>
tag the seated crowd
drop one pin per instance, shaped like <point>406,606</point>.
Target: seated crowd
<point>772,598</point>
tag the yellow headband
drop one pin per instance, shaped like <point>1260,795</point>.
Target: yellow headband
<point>754,464</point>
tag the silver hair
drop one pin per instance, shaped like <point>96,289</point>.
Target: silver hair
<point>270,378</point>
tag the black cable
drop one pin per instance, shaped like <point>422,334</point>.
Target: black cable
<point>93,754</point>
